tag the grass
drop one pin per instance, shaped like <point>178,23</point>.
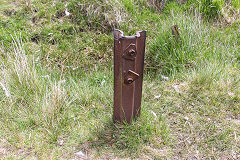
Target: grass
<point>198,44</point>
<point>56,83</point>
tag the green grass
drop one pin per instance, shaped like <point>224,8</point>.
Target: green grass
<point>56,82</point>
<point>197,44</point>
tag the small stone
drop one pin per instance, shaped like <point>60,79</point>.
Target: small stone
<point>80,154</point>
<point>176,88</point>
<point>231,94</point>
<point>186,118</point>
<point>66,12</point>
<point>60,142</point>
<point>74,68</point>
<point>157,96</point>
<point>164,78</point>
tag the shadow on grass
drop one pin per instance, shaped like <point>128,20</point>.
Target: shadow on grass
<point>130,139</point>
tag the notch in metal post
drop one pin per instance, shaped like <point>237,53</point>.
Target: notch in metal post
<point>128,75</point>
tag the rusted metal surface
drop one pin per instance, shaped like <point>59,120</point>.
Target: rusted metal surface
<point>128,75</point>
<point>175,31</point>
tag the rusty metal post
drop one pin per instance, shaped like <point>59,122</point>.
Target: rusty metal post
<point>128,75</point>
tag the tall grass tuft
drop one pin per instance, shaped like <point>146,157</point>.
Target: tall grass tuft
<point>98,15</point>
<point>170,54</point>
<point>33,100</point>
<point>17,72</point>
<point>198,43</point>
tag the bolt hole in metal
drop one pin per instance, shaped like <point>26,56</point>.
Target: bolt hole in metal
<point>130,80</point>
<point>130,77</point>
<point>132,52</point>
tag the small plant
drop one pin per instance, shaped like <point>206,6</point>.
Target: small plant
<point>211,8</point>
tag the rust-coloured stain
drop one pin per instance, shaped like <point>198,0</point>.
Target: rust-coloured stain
<point>175,31</point>
<point>128,75</point>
